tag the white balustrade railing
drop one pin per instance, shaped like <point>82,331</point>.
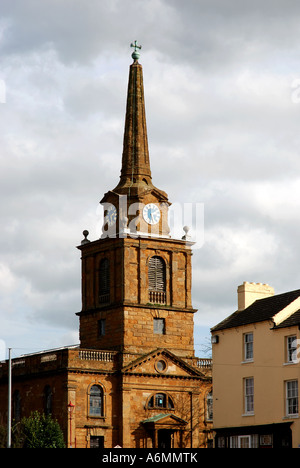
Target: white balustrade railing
<point>91,355</point>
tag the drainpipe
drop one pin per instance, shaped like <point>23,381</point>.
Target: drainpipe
<point>191,408</point>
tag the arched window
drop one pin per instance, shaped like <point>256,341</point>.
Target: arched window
<point>157,280</point>
<point>17,406</point>
<point>161,400</point>
<point>209,406</point>
<point>104,281</point>
<point>48,400</point>
<point>96,401</point>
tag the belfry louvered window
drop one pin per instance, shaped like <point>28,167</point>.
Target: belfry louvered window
<point>157,280</point>
<point>104,281</point>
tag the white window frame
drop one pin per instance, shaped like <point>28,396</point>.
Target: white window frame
<point>292,398</point>
<point>248,347</point>
<point>291,349</point>
<point>244,438</point>
<point>237,441</point>
<point>248,396</point>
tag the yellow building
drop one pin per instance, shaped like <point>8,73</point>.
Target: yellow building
<point>256,371</point>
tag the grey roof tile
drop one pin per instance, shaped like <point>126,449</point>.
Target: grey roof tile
<point>260,310</point>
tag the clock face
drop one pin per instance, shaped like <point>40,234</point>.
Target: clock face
<point>111,215</point>
<point>151,213</point>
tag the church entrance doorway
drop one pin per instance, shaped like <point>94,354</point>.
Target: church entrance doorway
<point>164,438</point>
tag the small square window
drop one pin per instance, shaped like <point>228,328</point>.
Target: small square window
<point>159,326</point>
<point>97,442</point>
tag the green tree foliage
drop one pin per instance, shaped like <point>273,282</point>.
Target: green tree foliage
<point>3,437</point>
<point>41,431</point>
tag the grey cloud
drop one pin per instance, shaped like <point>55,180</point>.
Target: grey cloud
<point>222,127</point>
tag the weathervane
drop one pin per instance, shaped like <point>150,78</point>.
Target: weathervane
<point>135,54</point>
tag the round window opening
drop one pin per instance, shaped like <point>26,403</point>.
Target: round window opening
<point>161,365</point>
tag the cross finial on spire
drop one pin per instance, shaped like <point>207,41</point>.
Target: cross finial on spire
<point>135,54</point>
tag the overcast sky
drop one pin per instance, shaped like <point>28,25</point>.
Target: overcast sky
<point>222,91</point>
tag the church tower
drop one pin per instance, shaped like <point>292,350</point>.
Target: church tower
<point>136,279</point>
<point>134,381</point>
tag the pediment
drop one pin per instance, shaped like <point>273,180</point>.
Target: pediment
<point>164,421</point>
<point>162,362</point>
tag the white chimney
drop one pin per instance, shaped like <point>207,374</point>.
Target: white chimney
<point>250,292</point>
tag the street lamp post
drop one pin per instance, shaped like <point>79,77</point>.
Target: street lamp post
<point>70,407</point>
<point>9,401</point>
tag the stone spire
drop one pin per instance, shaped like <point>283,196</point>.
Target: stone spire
<point>135,186</point>
<point>135,158</point>
<point>135,175</point>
